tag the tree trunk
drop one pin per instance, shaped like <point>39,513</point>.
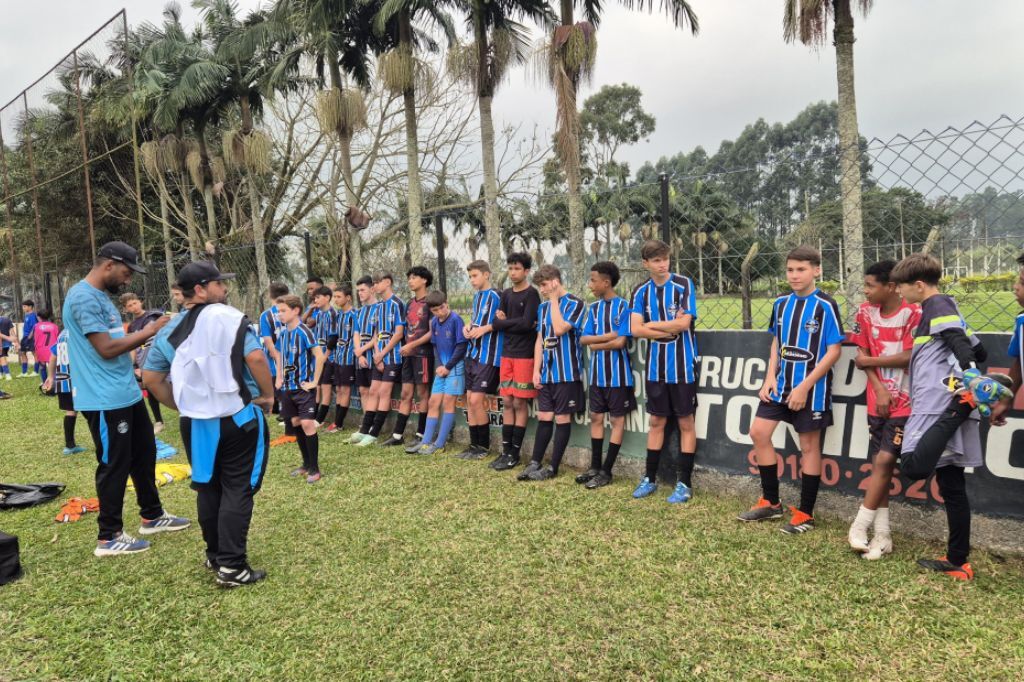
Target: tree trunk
<point>412,151</point>
<point>355,239</point>
<point>204,154</point>
<point>492,222</point>
<point>257,236</point>
<point>165,224</point>
<point>211,212</point>
<point>194,240</point>
<point>569,124</point>
<point>849,157</point>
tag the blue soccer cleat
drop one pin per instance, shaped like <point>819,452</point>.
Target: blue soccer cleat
<point>681,494</point>
<point>646,487</point>
<point>74,451</point>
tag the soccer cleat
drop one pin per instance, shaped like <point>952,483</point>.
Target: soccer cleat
<point>430,449</point>
<point>681,494</point>
<point>313,478</point>
<point>7,377</point>
<point>858,538</point>
<point>469,449</point>
<point>762,511</point>
<point>587,475</point>
<point>239,577</point>
<point>942,565</point>
<point>543,474</point>
<point>5,396</point>
<point>392,442</point>
<point>646,487</point>
<point>356,437</point>
<point>74,451</point>
<point>301,471</point>
<point>476,454</point>
<point>282,440</point>
<point>158,427</point>
<point>505,462</point>
<point>879,546</point>
<point>602,479</point>
<point>798,523</point>
<point>165,523</point>
<point>120,544</point>
<point>414,448</point>
<point>366,441</point>
<point>332,429</point>
<point>530,468</point>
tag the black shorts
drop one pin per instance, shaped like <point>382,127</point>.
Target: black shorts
<point>886,435</point>
<point>327,376</point>
<point>65,402</point>
<point>301,404</point>
<point>671,400</point>
<point>563,398</point>
<point>344,375</point>
<point>364,376</point>
<point>803,421</point>
<point>617,401</point>
<point>26,345</point>
<point>482,378</point>
<point>391,374</point>
<point>417,369</point>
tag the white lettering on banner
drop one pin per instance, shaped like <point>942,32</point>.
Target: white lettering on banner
<point>848,381</point>
<point>737,428</point>
<point>750,382</point>
<point>710,366</point>
<point>997,456</point>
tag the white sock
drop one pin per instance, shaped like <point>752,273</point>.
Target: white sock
<point>865,517</point>
<point>882,521</point>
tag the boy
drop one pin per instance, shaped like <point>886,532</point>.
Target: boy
<point>943,433</point>
<point>386,361</point>
<point>28,309</point>
<point>300,362</point>
<point>557,369</point>
<point>44,336</point>
<point>807,337</point>
<point>344,358</point>
<point>663,310</point>
<point>59,380</point>
<point>270,326</point>
<point>611,373</point>
<point>322,319</point>
<point>884,335</point>
<point>483,359</point>
<point>177,297</point>
<point>364,337</point>
<point>516,319</point>
<point>132,305</point>
<point>417,357</point>
<point>449,377</point>
<point>7,340</point>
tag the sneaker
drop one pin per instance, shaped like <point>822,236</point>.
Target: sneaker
<point>477,454</point>
<point>366,440</point>
<point>879,546</point>
<point>166,523</point>
<point>356,437</point>
<point>942,565</point>
<point>858,538</point>
<point>466,451</point>
<point>7,377</point>
<point>313,478</point>
<point>587,475</point>
<point>646,487</point>
<point>494,462</point>
<point>239,577</point>
<point>5,396</point>
<point>157,428</point>
<point>301,471</point>
<point>392,442</point>
<point>798,523</point>
<point>430,449</point>
<point>74,451</point>
<point>602,479</point>
<point>505,462</point>
<point>544,474</point>
<point>762,511</point>
<point>120,544</point>
<point>530,468</point>
<point>332,429</point>
<point>681,494</point>
<point>414,447</point>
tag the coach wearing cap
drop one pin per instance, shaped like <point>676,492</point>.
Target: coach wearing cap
<point>209,365</point>
<point>104,390</point>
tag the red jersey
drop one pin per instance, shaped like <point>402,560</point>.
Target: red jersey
<point>417,323</point>
<point>881,336</point>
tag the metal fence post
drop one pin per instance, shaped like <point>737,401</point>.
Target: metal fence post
<point>308,239</point>
<point>666,226</point>
<point>442,270</point>
<point>48,291</point>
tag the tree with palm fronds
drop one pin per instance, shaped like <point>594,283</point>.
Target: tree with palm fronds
<point>807,21</point>
<point>499,41</point>
<point>570,61</point>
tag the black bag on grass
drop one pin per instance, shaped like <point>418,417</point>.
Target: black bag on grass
<point>10,564</point>
<point>16,496</point>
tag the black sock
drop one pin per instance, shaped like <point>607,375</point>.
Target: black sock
<point>562,433</point>
<point>474,435</point>
<point>541,439</point>
<point>313,453</point>
<point>506,439</point>
<point>484,439</point>
<point>953,488</point>
<point>421,425</point>
<point>339,415</point>
<point>613,454</point>
<point>809,493</point>
<point>653,459</point>
<point>518,434</point>
<point>686,460</point>
<point>596,446</point>
<point>321,412</point>
<point>401,421</point>
<point>154,405</point>
<point>300,438</point>
<point>367,424</point>
<point>770,483</point>
<point>379,418</point>
<point>69,430</point>
<point>289,429</point>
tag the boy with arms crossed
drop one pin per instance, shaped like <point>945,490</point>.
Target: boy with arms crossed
<point>344,357</point>
<point>483,360</point>
<point>300,363</point>
<point>449,346</point>
<point>388,322</point>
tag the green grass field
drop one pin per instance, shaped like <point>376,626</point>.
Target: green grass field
<point>442,569</point>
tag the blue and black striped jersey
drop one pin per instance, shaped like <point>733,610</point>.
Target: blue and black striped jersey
<point>609,368</point>
<point>672,360</point>
<point>389,315</point>
<point>561,356</point>
<point>297,359</point>
<point>487,349</point>
<point>804,328</point>
<point>62,372</point>
<point>325,323</point>
<point>344,352</point>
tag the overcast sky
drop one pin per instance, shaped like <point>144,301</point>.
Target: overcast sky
<point>919,64</point>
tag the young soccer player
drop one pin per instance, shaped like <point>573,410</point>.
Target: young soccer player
<point>605,332</point>
<point>557,369</point>
<point>483,360</point>
<point>942,434</point>
<point>417,357</point>
<point>344,358</point>
<point>516,319</point>
<point>59,380</point>
<point>300,363</point>
<point>389,327</point>
<point>364,332</point>
<point>884,334</point>
<point>807,336</point>
<point>312,284</point>
<point>7,341</point>
<point>663,310</point>
<point>28,310</point>
<point>43,337</point>
<point>322,319</point>
<point>449,345</point>
<point>132,304</point>
<point>270,326</point>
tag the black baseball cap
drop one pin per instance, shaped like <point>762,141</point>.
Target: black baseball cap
<point>201,272</point>
<point>122,253</point>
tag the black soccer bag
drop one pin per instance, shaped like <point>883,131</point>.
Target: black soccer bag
<point>10,564</point>
<point>17,496</point>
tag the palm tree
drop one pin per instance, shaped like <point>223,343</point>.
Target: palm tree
<point>498,42</point>
<point>570,61</point>
<point>807,21</point>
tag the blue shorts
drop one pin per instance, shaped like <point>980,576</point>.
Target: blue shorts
<point>453,384</point>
